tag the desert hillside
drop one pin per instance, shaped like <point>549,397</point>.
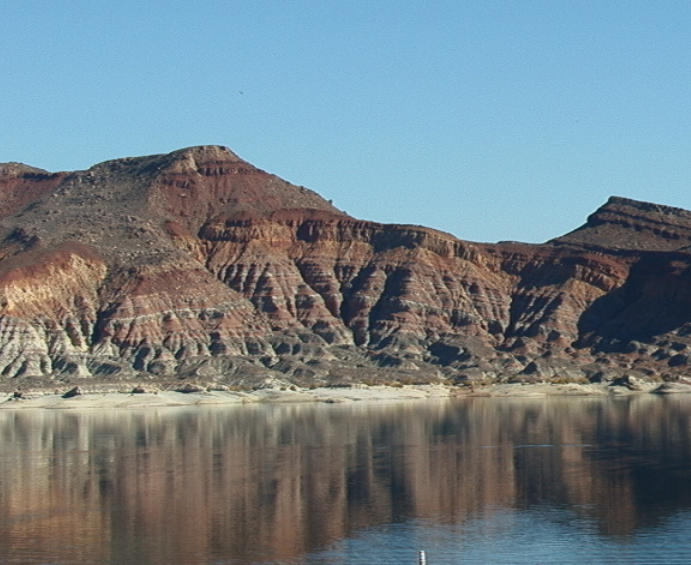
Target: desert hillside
<point>197,266</point>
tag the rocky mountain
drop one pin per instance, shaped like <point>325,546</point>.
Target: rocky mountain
<point>198,266</point>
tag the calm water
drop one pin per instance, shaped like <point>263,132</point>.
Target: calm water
<point>474,481</point>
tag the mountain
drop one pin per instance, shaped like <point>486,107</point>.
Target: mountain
<point>198,266</point>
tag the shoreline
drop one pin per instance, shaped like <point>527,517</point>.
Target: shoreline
<point>104,400</point>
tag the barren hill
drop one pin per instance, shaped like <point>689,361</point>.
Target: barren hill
<point>199,266</point>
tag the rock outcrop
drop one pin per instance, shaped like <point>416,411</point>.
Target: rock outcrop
<point>199,266</point>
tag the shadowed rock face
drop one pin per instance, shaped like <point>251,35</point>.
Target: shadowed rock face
<point>197,264</point>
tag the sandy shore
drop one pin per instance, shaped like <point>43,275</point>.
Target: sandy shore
<point>106,400</point>
<point>128,400</point>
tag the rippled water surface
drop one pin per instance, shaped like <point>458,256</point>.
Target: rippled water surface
<point>472,481</point>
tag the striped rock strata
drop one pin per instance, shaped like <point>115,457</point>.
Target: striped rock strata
<point>198,265</point>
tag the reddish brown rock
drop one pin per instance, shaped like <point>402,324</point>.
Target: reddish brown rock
<point>623,225</point>
<point>197,263</point>
<point>20,185</point>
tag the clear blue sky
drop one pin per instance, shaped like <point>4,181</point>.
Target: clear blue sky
<point>488,119</point>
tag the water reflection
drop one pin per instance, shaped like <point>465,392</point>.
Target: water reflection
<point>259,484</point>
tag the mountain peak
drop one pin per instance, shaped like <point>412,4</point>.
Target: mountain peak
<point>121,204</point>
<point>16,169</point>
<point>645,207</point>
<point>633,225</point>
<point>205,152</point>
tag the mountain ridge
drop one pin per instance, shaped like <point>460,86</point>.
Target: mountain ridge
<point>196,265</point>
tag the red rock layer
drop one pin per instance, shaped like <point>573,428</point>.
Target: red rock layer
<point>20,185</point>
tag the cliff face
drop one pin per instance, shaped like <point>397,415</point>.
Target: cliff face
<point>199,265</point>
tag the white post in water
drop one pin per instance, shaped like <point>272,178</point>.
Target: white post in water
<point>423,559</point>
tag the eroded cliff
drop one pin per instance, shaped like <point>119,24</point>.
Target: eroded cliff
<point>198,266</point>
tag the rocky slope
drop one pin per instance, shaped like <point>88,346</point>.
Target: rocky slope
<point>197,266</point>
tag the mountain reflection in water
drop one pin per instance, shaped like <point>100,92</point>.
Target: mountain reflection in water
<point>278,483</point>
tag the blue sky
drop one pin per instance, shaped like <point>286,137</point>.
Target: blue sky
<point>491,120</point>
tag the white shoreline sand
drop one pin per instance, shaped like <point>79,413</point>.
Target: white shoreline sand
<point>158,399</point>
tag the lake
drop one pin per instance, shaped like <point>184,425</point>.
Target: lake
<point>469,481</point>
